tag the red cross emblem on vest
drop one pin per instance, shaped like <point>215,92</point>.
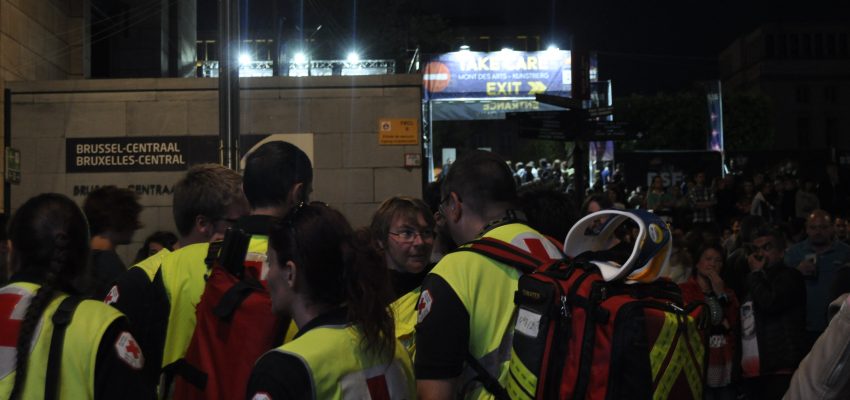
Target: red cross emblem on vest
<point>128,350</point>
<point>11,325</point>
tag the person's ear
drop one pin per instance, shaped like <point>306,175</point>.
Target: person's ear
<point>204,225</point>
<point>292,272</point>
<point>297,194</point>
<point>10,255</point>
<point>454,210</point>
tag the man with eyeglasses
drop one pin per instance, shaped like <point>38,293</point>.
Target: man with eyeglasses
<point>466,306</point>
<point>772,318</point>
<point>205,203</point>
<point>818,258</point>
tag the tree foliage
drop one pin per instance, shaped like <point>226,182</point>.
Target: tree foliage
<point>680,121</point>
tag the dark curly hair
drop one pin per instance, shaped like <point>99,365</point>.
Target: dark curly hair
<point>110,208</point>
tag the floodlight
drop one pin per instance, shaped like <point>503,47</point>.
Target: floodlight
<point>552,47</point>
<point>245,58</point>
<point>353,57</point>
<point>464,48</point>
<point>300,58</point>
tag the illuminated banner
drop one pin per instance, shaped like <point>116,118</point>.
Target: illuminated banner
<point>503,74</point>
<point>715,117</point>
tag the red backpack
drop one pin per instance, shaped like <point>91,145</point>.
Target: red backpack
<point>578,336</point>
<point>235,326</point>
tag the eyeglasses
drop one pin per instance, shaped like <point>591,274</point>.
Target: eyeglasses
<point>409,235</point>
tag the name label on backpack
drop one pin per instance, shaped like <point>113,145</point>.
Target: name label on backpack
<point>528,323</point>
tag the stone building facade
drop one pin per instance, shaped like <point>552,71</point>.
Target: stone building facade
<point>805,69</point>
<point>334,119</point>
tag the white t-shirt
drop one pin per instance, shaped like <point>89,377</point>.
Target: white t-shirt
<point>749,342</point>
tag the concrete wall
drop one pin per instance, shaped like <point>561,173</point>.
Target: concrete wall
<point>40,39</point>
<point>351,170</point>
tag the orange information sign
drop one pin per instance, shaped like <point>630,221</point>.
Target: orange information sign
<point>398,131</point>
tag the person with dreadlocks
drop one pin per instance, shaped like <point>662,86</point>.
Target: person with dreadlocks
<point>54,344</point>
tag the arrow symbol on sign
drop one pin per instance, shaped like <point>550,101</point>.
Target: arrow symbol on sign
<point>536,87</point>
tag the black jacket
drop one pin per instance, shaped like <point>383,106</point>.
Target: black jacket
<point>779,305</point>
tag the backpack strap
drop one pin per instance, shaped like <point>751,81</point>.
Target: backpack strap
<point>490,383</point>
<point>189,372</point>
<point>504,253</point>
<point>61,319</point>
<point>233,298</point>
<point>558,245</point>
<point>517,258</point>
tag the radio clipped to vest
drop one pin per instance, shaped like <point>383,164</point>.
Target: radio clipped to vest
<point>231,255</point>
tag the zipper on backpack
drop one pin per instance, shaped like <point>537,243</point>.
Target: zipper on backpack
<point>675,308</point>
<point>565,310</point>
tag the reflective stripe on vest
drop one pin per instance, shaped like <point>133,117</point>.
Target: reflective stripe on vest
<point>405,315</point>
<point>339,369</point>
<point>486,289</point>
<point>79,354</point>
<point>686,349</point>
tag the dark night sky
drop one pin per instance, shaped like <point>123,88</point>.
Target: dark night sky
<point>650,45</point>
<point>644,45</point>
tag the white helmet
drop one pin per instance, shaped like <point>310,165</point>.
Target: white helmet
<point>650,254</point>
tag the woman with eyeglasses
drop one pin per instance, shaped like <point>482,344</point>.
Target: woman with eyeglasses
<point>336,291</point>
<point>402,230</point>
<point>54,344</point>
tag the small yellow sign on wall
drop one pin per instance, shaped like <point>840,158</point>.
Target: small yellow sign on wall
<point>398,131</point>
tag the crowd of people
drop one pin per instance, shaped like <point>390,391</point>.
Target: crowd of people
<point>389,310</point>
<point>771,251</point>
